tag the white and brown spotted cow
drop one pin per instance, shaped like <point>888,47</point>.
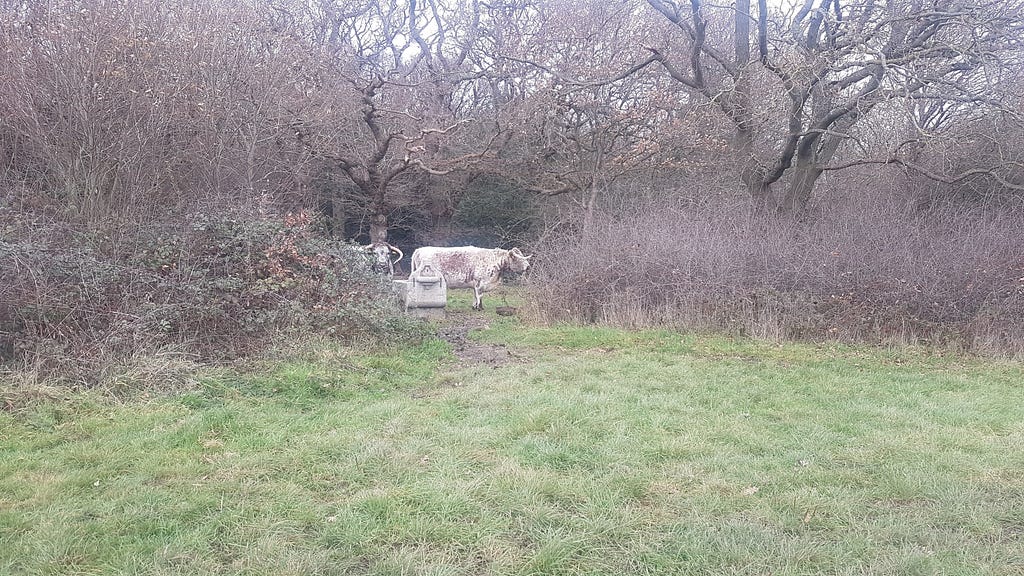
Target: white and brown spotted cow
<point>470,267</point>
<point>381,254</point>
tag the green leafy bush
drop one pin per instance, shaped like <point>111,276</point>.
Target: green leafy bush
<point>73,300</point>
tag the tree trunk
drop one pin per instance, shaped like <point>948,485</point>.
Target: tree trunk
<point>441,214</point>
<point>378,210</point>
<point>798,195</point>
<point>752,172</point>
<point>759,189</point>
<point>338,216</point>
<point>742,35</point>
<point>762,196</point>
<point>378,227</point>
<point>588,210</point>
<point>440,233</point>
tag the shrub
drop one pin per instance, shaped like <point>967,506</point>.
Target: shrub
<point>76,301</point>
<point>868,272</point>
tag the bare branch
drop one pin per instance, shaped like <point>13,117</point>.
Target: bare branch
<point>655,57</point>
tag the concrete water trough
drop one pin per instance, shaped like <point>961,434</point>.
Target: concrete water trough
<point>424,294</point>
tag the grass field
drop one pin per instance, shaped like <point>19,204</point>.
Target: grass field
<point>591,451</point>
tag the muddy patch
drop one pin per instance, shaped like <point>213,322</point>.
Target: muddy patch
<point>456,332</point>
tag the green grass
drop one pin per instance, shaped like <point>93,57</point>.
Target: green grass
<point>606,452</point>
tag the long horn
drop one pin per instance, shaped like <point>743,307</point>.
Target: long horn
<point>400,254</point>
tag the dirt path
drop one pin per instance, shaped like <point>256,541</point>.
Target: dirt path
<point>455,330</point>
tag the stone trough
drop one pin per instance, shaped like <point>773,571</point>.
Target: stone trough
<point>424,294</point>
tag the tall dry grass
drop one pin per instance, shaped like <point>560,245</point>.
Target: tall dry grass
<point>873,269</point>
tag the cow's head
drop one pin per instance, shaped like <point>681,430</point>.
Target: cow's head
<point>517,261</point>
<point>381,254</point>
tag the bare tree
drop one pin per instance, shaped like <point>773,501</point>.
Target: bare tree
<point>384,93</point>
<point>114,110</point>
<point>577,138</point>
<point>829,64</point>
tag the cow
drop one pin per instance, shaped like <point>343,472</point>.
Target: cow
<point>470,267</point>
<point>381,253</point>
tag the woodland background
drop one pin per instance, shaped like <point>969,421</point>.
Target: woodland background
<point>186,179</point>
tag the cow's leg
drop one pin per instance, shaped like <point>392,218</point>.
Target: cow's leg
<point>477,302</point>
